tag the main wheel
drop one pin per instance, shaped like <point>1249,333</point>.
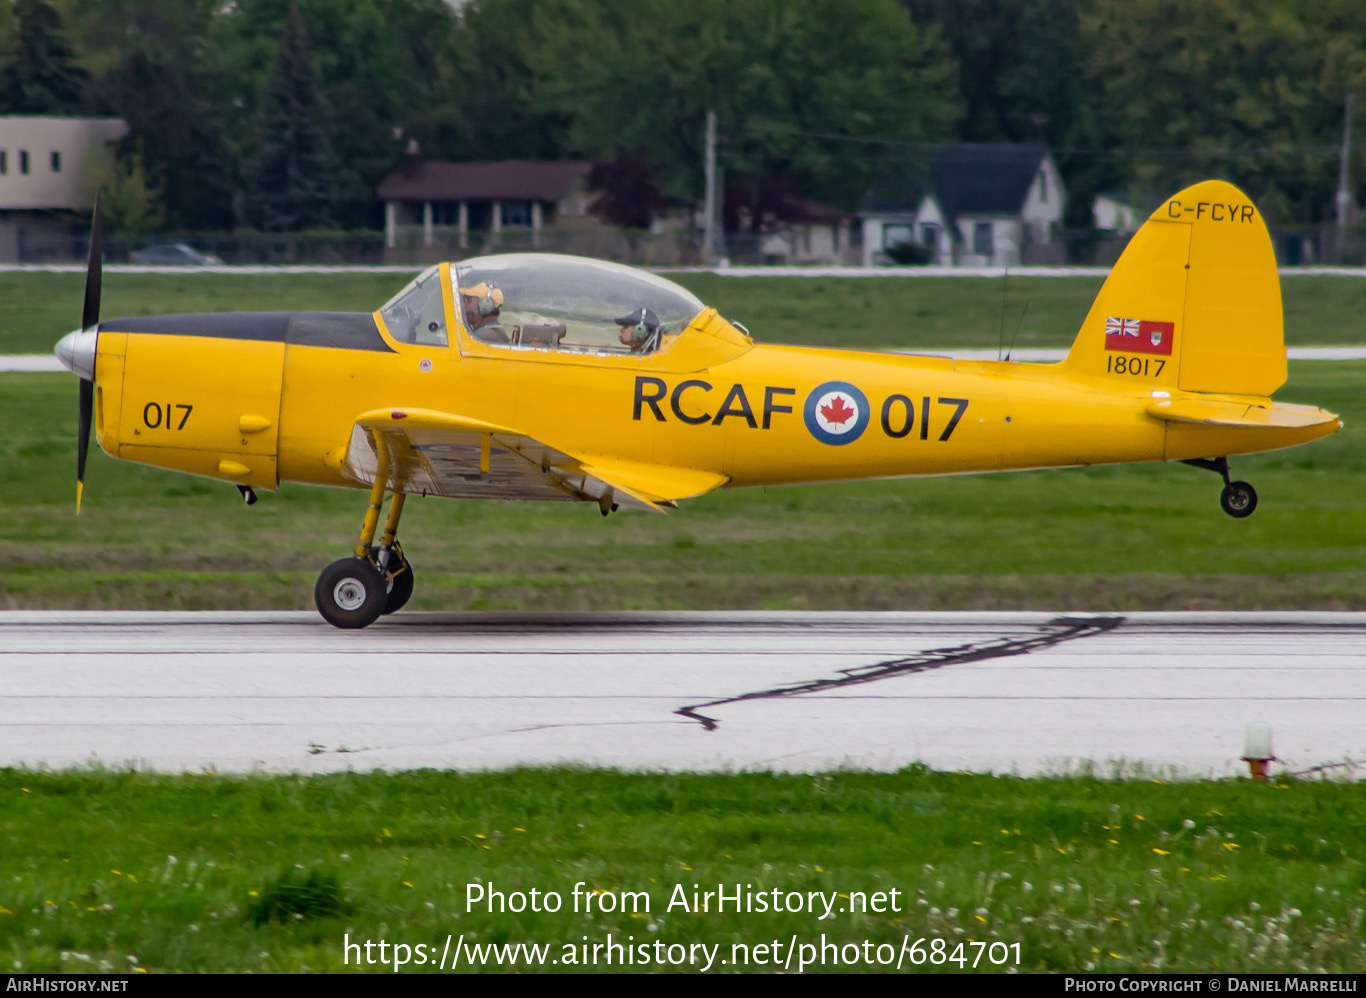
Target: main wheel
<point>350,593</point>
<point>400,586</point>
<point>1238,499</point>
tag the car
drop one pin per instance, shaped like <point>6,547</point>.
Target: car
<point>174,255</point>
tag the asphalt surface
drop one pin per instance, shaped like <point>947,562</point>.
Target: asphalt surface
<point>1165,694</point>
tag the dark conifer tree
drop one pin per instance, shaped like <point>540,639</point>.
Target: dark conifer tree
<point>44,76</point>
<point>292,180</point>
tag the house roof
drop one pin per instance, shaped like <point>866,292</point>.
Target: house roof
<point>816,212</point>
<point>965,178</point>
<point>508,180</point>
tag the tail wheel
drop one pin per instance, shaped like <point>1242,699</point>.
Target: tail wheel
<point>351,593</point>
<point>1238,499</point>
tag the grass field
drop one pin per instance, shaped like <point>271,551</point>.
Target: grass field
<point>256,874</point>
<point>889,312</point>
<point>1133,537</point>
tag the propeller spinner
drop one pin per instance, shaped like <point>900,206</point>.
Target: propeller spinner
<point>76,351</point>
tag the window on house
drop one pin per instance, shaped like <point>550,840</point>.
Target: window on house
<point>56,161</point>
<point>929,236</point>
<point>982,239</point>
<point>1043,185</point>
<point>516,212</point>
<point>4,161</point>
<point>23,161</point>
<point>895,235</point>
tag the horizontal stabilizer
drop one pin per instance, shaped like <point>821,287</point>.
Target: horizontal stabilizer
<point>1251,415</point>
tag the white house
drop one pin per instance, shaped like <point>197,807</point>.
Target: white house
<point>975,205</point>
<point>1113,213</point>
<point>47,165</point>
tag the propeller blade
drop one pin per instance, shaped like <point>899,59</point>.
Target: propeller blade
<point>90,312</point>
<point>86,404</point>
<point>90,316</point>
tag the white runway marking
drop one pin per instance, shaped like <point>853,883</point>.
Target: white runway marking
<point>1005,692</point>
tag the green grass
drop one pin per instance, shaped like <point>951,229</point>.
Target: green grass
<point>885,312</point>
<point>1127,538</point>
<point>117,870</point>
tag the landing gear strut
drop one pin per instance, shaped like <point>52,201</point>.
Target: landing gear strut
<point>354,592</point>
<point>1238,499</point>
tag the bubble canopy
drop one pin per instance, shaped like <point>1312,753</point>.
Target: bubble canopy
<point>566,303</point>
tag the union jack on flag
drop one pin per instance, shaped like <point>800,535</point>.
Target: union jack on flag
<point>1120,327</point>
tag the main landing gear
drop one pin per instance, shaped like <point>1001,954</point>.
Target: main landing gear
<point>378,579</point>
<point>1238,499</point>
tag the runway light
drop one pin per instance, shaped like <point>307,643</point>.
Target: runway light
<point>1257,748</point>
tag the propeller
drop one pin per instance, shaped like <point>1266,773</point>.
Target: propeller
<point>90,317</point>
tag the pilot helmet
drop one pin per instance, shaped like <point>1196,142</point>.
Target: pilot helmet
<point>490,297</point>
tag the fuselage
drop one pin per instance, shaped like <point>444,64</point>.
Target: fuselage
<point>257,399</point>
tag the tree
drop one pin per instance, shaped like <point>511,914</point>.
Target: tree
<point>1249,90</point>
<point>291,182</point>
<point>795,86</point>
<point>129,202</point>
<point>44,76</point>
<point>630,199</point>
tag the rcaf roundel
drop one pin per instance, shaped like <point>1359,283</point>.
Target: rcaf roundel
<point>836,413</point>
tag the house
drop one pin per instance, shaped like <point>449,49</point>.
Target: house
<point>48,165</point>
<point>431,202</point>
<point>813,233</point>
<point>1114,213</point>
<point>970,205</point>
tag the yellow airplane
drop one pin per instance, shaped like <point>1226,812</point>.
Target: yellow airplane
<point>538,376</point>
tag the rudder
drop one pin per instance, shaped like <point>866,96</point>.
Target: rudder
<point>1194,302</point>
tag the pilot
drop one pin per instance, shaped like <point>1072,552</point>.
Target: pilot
<point>481,304</point>
<point>640,330</point>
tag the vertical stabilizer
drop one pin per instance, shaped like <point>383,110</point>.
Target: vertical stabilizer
<point>1194,302</point>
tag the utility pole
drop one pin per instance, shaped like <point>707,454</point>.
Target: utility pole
<point>1344,198</point>
<point>709,241</point>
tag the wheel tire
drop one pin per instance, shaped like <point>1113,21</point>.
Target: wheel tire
<point>1238,499</point>
<point>350,593</point>
<point>400,588</point>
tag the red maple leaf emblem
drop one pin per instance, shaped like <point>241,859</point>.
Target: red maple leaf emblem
<point>835,411</point>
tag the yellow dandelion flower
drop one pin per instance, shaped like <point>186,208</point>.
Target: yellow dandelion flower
<point>980,919</point>
<point>407,883</point>
<point>516,829</point>
<point>1140,817</point>
<point>132,878</point>
<point>1161,852</point>
<point>1230,846</point>
<point>480,835</point>
<point>255,894</point>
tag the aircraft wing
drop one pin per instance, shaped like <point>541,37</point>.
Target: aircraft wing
<point>438,453</point>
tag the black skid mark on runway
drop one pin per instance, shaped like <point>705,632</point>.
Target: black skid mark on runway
<point>1054,632</point>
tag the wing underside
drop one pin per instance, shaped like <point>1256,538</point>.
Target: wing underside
<point>435,453</point>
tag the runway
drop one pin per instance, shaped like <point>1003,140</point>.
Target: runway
<point>1167,694</point>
